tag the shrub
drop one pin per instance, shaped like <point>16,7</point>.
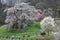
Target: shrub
<point>47,24</point>
<point>20,16</point>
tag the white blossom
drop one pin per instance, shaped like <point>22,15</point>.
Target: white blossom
<point>22,13</point>
<point>47,24</point>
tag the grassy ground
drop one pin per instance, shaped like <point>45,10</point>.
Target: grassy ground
<point>33,30</point>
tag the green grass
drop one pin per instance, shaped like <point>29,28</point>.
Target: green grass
<point>31,30</point>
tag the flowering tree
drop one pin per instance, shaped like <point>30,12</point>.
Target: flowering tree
<point>48,12</point>
<point>47,24</point>
<point>20,16</point>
